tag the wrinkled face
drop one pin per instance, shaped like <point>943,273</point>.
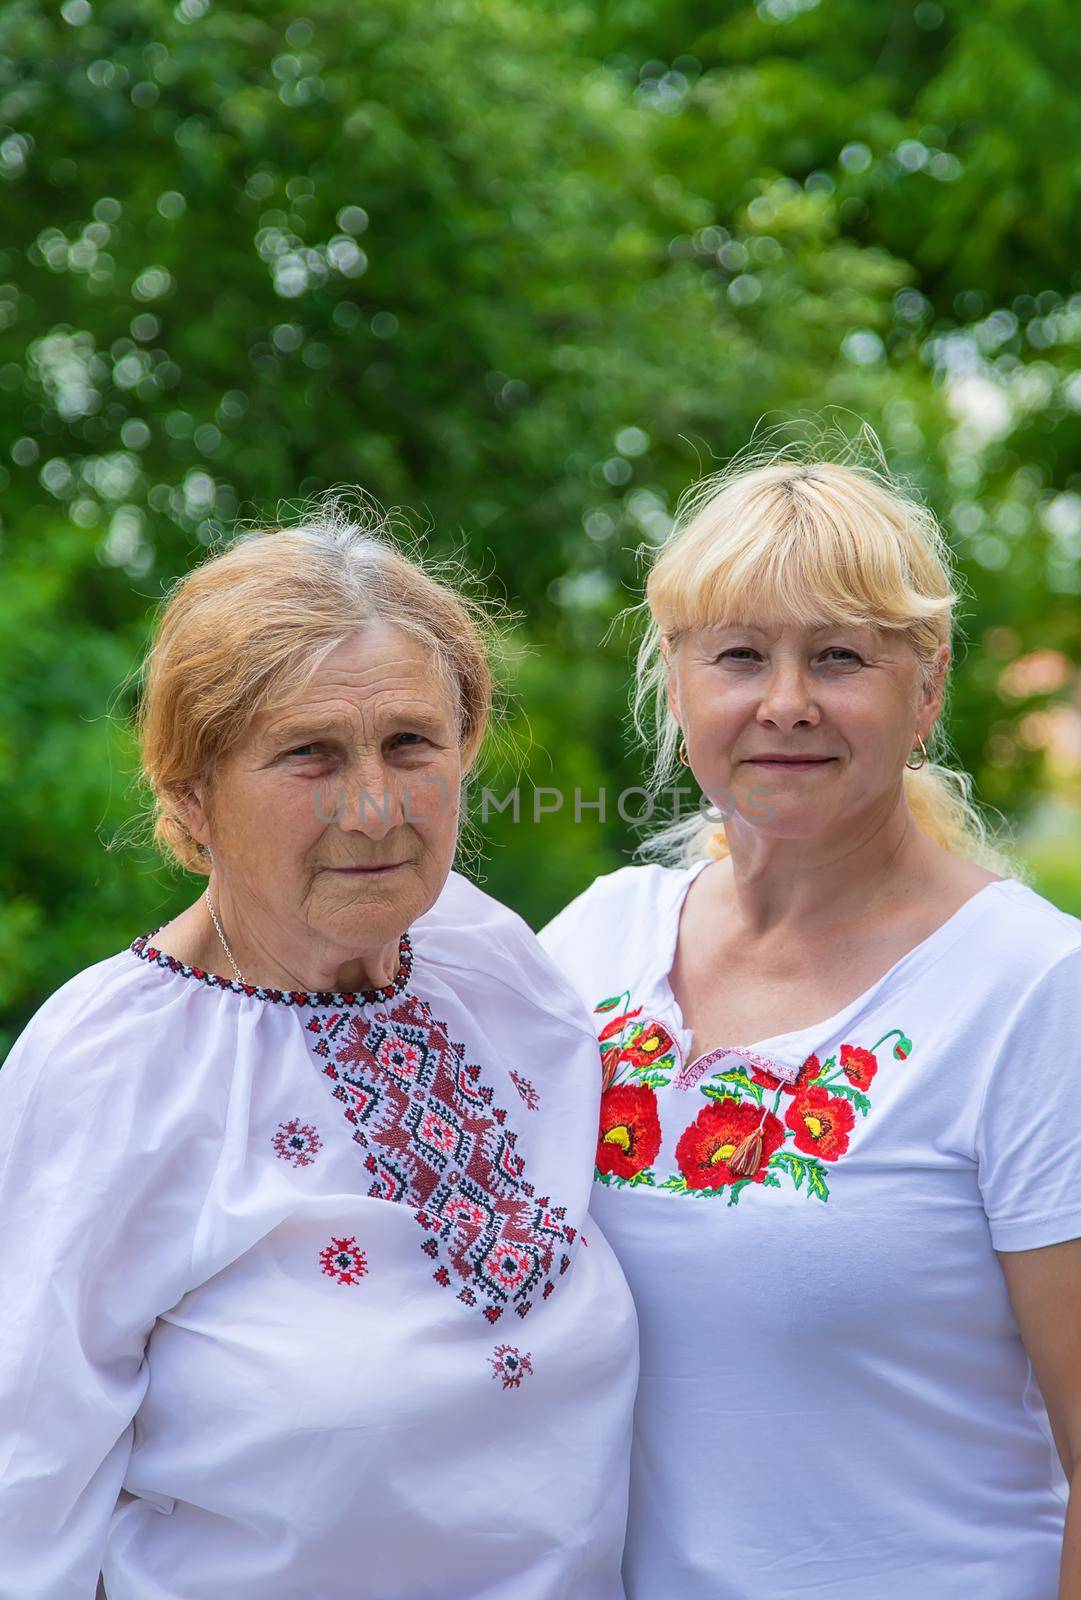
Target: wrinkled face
<point>338,815</point>
<point>847,698</point>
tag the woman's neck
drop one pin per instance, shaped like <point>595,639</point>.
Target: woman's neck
<point>798,882</point>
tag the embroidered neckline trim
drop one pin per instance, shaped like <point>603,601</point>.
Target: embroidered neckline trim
<point>145,951</point>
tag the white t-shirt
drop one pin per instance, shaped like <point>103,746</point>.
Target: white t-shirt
<point>835,1403</point>
<point>305,1277</point>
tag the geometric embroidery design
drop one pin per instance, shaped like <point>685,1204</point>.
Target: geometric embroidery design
<point>434,1141</point>
<point>526,1089</point>
<point>342,1261</point>
<point>297,1142</point>
<point>511,1365</point>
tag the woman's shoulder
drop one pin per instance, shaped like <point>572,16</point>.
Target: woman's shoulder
<point>630,898</point>
<point>121,1031</point>
<point>76,1011</point>
<point>1024,931</point>
<point>474,939</point>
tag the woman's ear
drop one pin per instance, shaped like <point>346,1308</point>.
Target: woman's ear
<point>189,804</point>
<point>933,691</point>
<point>668,657</point>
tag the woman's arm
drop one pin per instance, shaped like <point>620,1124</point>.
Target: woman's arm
<point>96,1197</point>
<point>1045,1290</point>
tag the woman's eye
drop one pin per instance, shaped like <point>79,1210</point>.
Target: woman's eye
<point>410,739</point>
<point>849,655</point>
<point>302,749</point>
<point>740,652</point>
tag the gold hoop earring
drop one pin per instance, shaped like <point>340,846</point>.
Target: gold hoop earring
<point>683,756</point>
<point>915,766</point>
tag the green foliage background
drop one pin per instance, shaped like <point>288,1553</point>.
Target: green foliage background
<point>527,270</point>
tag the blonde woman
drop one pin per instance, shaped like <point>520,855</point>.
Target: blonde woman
<point>298,1305</point>
<point>838,1152</point>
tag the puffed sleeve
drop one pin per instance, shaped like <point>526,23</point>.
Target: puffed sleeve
<point>102,1142</point>
<point>573,929</point>
<point>1027,1144</point>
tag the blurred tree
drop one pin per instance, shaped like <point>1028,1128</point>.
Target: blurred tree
<point>946,135</point>
<point>517,272</point>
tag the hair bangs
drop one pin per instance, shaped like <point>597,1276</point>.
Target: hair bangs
<point>786,547</point>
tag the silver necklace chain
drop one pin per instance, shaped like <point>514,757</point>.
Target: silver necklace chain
<point>224,942</point>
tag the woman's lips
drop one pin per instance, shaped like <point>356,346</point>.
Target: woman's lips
<point>796,764</point>
<point>391,866</point>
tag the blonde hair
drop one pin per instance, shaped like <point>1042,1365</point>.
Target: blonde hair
<point>251,624</point>
<point>806,541</point>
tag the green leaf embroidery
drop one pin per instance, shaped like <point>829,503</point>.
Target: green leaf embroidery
<point>612,1180</point>
<point>824,1071</point>
<point>816,1181</point>
<point>675,1185</point>
<point>790,1163</point>
<point>736,1190</point>
<point>641,1179</point>
<point>714,1092</point>
<point>846,1091</point>
<point>609,1004</point>
<point>800,1167</point>
<point>740,1079</point>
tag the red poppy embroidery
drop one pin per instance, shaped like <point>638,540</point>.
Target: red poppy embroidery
<point>859,1066</point>
<point>434,1140</point>
<point>526,1089</point>
<point>807,1074</point>
<point>511,1365</point>
<point>630,1131</point>
<point>631,1049</point>
<point>613,1029</point>
<point>821,1123</point>
<point>824,1098</point>
<point>708,1145</point>
<point>342,1261</point>
<point>297,1142</point>
<point>650,1045</point>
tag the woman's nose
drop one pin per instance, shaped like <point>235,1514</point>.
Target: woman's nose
<point>788,697</point>
<point>371,803</point>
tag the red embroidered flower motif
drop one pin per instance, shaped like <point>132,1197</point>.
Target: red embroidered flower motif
<point>617,1024</point>
<point>706,1147</point>
<point>341,1260</point>
<point>397,1056</point>
<point>609,1040</point>
<point>630,1132</point>
<point>526,1089</point>
<point>651,1044</point>
<point>297,1142</point>
<point>508,1266</point>
<point>511,1365</point>
<point>821,1122</point>
<point>809,1070</point>
<point>858,1065</point>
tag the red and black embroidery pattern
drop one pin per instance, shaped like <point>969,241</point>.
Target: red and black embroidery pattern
<point>297,1142</point>
<point>146,951</point>
<point>526,1089</point>
<point>434,1140</point>
<point>511,1365</point>
<point>342,1261</point>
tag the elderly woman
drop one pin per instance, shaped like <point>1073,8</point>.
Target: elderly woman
<point>298,1302</point>
<point>838,1154</point>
